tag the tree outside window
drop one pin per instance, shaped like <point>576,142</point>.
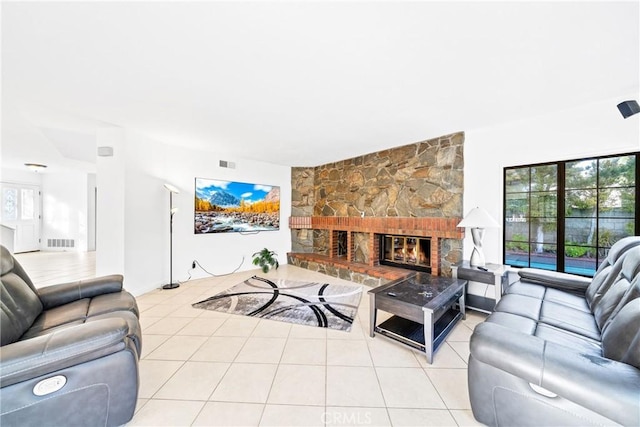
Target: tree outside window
<point>581,206</point>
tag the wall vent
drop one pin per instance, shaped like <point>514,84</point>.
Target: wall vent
<point>105,151</point>
<point>227,164</point>
<point>61,243</point>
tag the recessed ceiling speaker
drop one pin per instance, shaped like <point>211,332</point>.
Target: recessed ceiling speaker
<point>105,151</point>
<point>629,108</point>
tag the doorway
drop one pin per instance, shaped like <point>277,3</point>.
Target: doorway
<point>21,212</point>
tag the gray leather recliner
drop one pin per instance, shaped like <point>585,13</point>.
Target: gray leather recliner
<point>562,350</point>
<point>69,353</point>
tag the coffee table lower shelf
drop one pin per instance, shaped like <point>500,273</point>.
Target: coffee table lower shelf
<point>411,333</point>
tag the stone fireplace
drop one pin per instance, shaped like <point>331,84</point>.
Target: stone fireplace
<point>342,211</point>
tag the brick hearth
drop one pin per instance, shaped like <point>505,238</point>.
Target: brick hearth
<point>380,271</point>
<point>434,228</point>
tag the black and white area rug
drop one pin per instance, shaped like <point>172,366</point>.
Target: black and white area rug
<point>314,304</point>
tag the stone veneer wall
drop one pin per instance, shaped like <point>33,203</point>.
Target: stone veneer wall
<point>423,179</point>
<point>361,247</point>
<point>302,202</point>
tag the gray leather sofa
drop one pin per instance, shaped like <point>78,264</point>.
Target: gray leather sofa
<point>69,353</point>
<point>561,349</point>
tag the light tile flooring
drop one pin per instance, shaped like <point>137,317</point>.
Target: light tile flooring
<point>205,368</point>
<point>50,268</point>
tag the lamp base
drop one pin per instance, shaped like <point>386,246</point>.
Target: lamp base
<point>171,286</point>
<point>477,259</point>
<point>477,256</point>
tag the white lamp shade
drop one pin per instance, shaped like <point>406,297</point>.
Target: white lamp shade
<point>478,218</point>
<point>171,188</point>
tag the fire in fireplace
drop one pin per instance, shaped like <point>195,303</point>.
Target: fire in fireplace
<point>406,252</point>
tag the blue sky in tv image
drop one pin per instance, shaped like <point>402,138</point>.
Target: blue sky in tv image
<point>230,206</point>
<point>231,192</point>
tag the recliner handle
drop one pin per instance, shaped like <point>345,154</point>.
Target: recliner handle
<point>49,353</point>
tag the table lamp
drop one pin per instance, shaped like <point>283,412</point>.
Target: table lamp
<point>477,220</point>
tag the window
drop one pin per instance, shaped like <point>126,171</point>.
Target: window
<point>10,204</point>
<point>28,200</point>
<point>565,216</point>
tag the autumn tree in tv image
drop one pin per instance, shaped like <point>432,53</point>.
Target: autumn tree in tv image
<point>230,206</point>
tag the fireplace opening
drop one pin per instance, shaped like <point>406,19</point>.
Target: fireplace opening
<point>341,236</point>
<point>406,252</point>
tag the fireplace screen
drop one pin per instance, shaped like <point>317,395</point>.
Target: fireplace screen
<point>342,243</point>
<point>409,252</point>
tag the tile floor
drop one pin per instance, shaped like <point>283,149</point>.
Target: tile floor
<point>50,268</point>
<point>202,367</point>
<point>205,368</point>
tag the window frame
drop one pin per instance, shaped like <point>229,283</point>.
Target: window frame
<point>561,214</point>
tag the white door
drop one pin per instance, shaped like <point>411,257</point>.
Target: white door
<point>21,211</point>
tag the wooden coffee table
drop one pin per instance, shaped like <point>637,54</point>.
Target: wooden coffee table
<point>425,309</point>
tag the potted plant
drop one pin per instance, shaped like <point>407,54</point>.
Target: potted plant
<point>266,259</point>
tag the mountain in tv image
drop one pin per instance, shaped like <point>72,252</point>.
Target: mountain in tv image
<point>224,199</point>
<point>230,206</point>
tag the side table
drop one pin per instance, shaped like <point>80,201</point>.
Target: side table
<point>484,288</point>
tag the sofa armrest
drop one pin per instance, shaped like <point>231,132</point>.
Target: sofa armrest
<point>605,386</point>
<point>553,279</point>
<point>64,293</point>
<point>31,358</point>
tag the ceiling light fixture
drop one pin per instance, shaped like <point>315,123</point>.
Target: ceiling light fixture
<point>36,167</point>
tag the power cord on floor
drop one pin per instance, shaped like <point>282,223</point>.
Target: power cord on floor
<point>196,263</point>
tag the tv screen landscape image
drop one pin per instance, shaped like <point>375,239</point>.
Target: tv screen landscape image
<point>230,206</point>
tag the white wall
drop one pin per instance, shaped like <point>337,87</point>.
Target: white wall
<point>64,209</point>
<point>146,229</point>
<point>222,252</point>
<point>145,214</point>
<point>110,221</point>
<point>91,211</point>
<point>21,176</point>
<point>592,130</point>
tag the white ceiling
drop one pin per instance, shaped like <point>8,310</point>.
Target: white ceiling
<point>299,83</point>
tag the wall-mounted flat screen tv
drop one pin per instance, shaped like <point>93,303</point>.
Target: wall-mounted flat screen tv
<point>230,206</point>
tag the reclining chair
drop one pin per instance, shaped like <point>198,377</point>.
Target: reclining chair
<point>561,349</point>
<point>69,353</point>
